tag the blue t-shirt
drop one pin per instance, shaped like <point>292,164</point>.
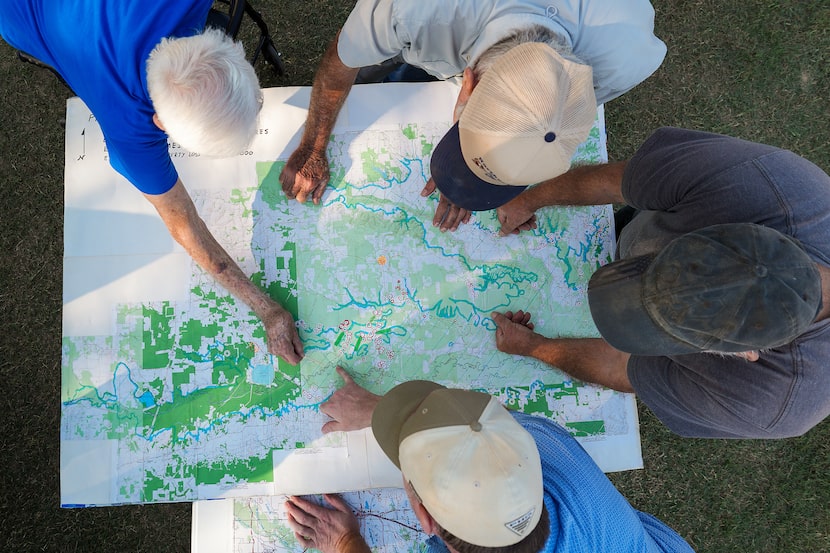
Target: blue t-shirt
<point>100,49</point>
<point>586,511</point>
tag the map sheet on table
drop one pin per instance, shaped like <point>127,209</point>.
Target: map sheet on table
<point>168,392</point>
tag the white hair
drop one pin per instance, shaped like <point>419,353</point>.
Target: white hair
<point>534,33</point>
<point>205,92</point>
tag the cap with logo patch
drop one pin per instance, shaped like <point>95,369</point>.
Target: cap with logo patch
<point>474,468</point>
<point>522,125</point>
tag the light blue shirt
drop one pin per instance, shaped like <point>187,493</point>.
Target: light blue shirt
<point>585,510</point>
<point>615,37</point>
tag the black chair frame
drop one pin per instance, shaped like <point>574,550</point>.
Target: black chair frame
<point>231,22</point>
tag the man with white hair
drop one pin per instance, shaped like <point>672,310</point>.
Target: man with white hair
<point>144,68</point>
<point>480,478</point>
<point>553,61</point>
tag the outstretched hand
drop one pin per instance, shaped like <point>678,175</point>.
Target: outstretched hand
<point>330,530</point>
<point>515,216</point>
<point>448,216</point>
<point>282,337</point>
<point>514,332</point>
<point>306,173</point>
<point>350,407</point>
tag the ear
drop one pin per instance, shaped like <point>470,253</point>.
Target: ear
<point>468,83</point>
<point>750,356</point>
<point>426,520</point>
<point>157,122</point>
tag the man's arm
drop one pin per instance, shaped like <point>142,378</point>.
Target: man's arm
<point>587,359</point>
<point>585,185</point>
<point>188,229</point>
<point>307,170</point>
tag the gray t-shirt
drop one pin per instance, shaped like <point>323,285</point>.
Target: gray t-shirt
<point>615,37</point>
<point>683,180</point>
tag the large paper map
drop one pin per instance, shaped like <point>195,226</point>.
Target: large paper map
<point>175,398</point>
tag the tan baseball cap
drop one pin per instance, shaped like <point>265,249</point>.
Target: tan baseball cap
<point>474,468</point>
<point>522,125</point>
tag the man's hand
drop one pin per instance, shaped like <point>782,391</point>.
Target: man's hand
<point>332,530</point>
<point>514,332</point>
<point>281,335</point>
<point>448,215</point>
<point>306,173</point>
<point>515,216</point>
<point>350,407</point>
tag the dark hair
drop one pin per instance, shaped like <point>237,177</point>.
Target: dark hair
<point>532,543</point>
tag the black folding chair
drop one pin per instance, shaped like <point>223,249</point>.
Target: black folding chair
<point>231,21</point>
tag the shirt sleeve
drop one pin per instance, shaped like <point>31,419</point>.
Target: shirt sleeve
<point>620,47</point>
<point>147,165</point>
<point>617,40</point>
<point>675,166</point>
<point>368,37</point>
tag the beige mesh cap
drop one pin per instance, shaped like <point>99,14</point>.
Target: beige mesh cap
<point>527,116</point>
<point>474,468</point>
<point>522,125</point>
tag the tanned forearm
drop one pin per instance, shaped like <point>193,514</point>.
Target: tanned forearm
<point>179,214</point>
<point>587,359</point>
<point>585,185</point>
<point>188,229</point>
<point>332,84</point>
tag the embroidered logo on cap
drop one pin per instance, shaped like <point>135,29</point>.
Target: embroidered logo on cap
<point>519,525</point>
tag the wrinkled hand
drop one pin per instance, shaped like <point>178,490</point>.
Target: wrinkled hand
<point>515,216</point>
<point>305,173</point>
<point>350,407</point>
<point>331,530</point>
<point>514,332</point>
<point>448,215</point>
<point>281,335</point>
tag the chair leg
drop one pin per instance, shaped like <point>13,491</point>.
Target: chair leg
<point>266,44</point>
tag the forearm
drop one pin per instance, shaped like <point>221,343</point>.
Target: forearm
<point>584,185</point>
<point>199,242</point>
<point>588,359</point>
<point>189,230</point>
<point>331,86</point>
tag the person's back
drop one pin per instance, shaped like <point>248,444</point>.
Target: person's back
<point>100,49</point>
<point>587,512</point>
<point>146,70</point>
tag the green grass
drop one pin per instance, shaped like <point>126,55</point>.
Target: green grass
<point>756,69</point>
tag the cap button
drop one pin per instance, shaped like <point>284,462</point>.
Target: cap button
<point>550,137</point>
<point>475,426</point>
<point>760,271</point>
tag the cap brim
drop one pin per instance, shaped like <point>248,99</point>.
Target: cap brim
<point>459,184</point>
<point>615,296</point>
<point>393,410</point>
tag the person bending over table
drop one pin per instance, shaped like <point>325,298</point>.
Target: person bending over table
<point>716,313</point>
<point>480,479</point>
<point>533,73</point>
<point>147,70</point>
